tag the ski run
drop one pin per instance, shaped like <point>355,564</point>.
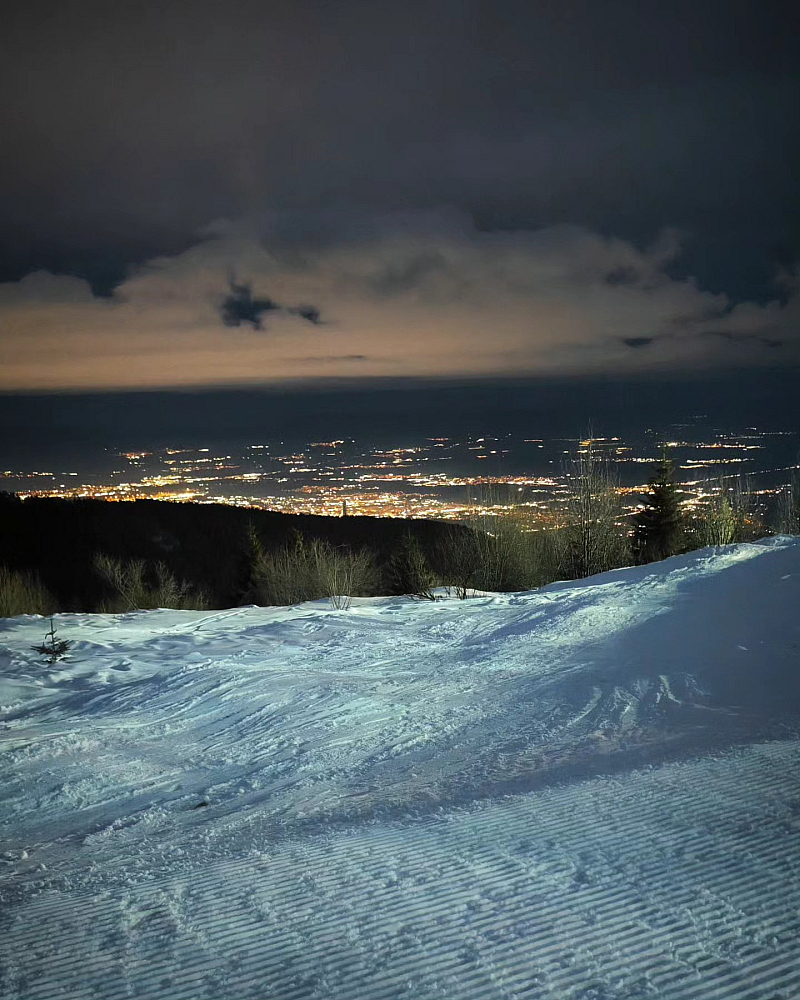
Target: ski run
<point>586,791</point>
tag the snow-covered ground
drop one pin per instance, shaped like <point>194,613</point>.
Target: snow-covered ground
<point>588,791</point>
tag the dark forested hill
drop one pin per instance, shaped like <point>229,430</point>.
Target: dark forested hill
<point>205,544</point>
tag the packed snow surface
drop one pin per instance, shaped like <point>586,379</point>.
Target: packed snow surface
<point>587,791</point>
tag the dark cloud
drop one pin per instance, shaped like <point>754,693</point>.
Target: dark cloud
<point>637,341</point>
<point>327,358</point>
<point>130,127</point>
<point>310,313</point>
<point>241,306</point>
<point>742,338</point>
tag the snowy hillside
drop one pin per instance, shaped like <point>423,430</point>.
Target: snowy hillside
<point>587,791</point>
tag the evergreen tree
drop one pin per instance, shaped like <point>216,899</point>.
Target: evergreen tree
<point>659,526</point>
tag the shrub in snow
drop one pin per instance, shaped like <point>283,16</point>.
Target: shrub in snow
<point>503,554</point>
<point>545,549</point>
<point>726,516</point>
<point>308,571</point>
<point>344,574</point>
<point>498,548</point>
<point>457,560</point>
<point>410,572</point>
<point>23,594</point>
<point>135,586</point>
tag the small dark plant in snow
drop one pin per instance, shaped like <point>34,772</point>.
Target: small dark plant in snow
<point>52,647</point>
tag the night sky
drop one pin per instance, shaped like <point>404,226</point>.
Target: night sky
<point>358,196</point>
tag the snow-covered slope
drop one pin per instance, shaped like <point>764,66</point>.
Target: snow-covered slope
<point>585,791</point>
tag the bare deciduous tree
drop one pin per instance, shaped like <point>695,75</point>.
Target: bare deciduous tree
<point>789,507</point>
<point>593,536</point>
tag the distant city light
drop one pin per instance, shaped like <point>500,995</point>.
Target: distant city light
<point>436,479</point>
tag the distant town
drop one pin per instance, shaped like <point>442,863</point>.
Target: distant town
<point>437,477</point>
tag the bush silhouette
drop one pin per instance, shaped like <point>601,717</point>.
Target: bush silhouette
<point>22,593</point>
<point>308,571</point>
<point>135,586</point>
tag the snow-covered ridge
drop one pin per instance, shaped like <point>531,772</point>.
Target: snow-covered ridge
<point>313,766</point>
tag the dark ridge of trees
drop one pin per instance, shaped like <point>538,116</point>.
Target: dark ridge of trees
<point>56,541</point>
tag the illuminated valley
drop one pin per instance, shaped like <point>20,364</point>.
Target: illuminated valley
<point>436,477</point>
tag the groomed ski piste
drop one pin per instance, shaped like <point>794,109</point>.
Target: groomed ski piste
<point>587,791</point>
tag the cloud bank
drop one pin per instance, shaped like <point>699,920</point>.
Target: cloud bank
<point>405,295</point>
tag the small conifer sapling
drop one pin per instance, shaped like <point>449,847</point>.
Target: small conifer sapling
<point>52,647</point>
